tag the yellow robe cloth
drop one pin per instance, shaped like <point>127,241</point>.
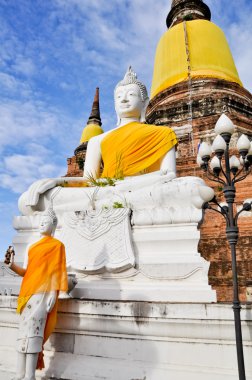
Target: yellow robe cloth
<point>208,52</point>
<point>46,271</point>
<point>135,148</point>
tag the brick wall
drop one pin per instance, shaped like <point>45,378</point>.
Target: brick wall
<point>213,244</point>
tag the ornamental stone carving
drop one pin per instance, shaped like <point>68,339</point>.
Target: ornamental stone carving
<point>98,240</point>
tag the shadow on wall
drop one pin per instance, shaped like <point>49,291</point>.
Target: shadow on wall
<point>102,340</point>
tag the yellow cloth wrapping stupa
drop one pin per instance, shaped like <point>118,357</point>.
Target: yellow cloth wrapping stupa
<point>135,148</point>
<point>209,55</point>
<point>89,131</point>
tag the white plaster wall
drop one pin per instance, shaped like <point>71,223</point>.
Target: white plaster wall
<point>135,341</point>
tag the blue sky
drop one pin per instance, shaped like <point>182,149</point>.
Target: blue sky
<point>53,54</point>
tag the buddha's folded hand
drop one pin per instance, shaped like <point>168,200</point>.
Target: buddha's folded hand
<point>37,188</point>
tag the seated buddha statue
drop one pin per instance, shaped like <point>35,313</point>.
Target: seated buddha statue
<point>133,147</point>
<point>135,154</point>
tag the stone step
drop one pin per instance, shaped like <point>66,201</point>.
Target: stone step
<point>80,367</point>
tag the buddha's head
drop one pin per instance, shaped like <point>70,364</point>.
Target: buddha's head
<point>48,222</point>
<point>131,97</point>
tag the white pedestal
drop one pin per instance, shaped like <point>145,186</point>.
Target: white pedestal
<point>135,341</point>
<point>168,267</point>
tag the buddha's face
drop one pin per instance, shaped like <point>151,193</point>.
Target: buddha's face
<point>46,226</point>
<point>128,101</point>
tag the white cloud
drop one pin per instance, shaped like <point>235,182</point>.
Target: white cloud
<point>112,35</point>
<point>8,81</point>
<point>24,65</point>
<point>34,141</point>
<point>12,86</point>
<point>18,171</point>
<point>24,122</point>
<point>40,150</point>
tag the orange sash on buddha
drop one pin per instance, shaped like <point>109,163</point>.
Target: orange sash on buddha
<point>46,271</point>
<point>135,148</point>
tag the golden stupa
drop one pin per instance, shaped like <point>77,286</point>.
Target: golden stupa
<point>93,127</point>
<point>192,48</point>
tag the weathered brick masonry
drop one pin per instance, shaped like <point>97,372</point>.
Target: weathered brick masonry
<point>209,98</point>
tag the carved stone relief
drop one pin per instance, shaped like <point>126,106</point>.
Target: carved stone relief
<point>98,240</point>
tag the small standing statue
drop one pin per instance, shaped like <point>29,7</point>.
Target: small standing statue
<point>44,276</point>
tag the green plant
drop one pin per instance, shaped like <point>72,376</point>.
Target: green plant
<point>118,205</point>
<point>109,181</point>
<point>100,182</point>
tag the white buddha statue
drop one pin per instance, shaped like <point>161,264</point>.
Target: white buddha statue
<point>139,153</point>
<point>131,100</point>
<point>158,236</point>
<point>44,276</point>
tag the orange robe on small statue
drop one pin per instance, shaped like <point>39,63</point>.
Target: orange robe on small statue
<point>46,272</point>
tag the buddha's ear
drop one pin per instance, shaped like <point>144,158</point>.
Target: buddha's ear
<point>54,229</point>
<point>118,120</point>
<point>143,112</point>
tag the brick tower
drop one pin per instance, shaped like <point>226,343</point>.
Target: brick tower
<point>194,81</point>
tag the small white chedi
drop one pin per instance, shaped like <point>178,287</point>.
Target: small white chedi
<point>136,239</point>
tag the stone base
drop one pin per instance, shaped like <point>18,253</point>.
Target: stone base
<point>168,268</point>
<point>135,341</point>
<point>138,288</point>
